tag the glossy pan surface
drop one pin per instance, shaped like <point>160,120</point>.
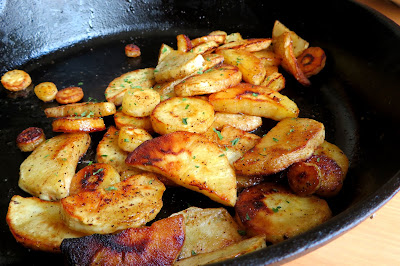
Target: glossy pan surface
<point>81,43</point>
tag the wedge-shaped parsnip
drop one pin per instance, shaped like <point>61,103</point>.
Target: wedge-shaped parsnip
<point>88,109</point>
<point>208,230</point>
<point>183,43</point>
<point>312,61</point>
<point>30,138</point>
<point>234,142</point>
<point>279,214</point>
<point>229,252</point>
<point>290,141</point>
<point>182,114</point>
<point>276,82</point>
<point>190,160</point>
<point>78,124</point>
<point>210,81</point>
<point>240,121</point>
<point>37,223</point>
<point>178,65</point>
<point>108,151</point>
<point>250,45</point>
<point>299,44</point>
<point>268,57</point>
<point>283,47</point>
<point>251,67</point>
<point>212,60</point>
<point>124,120</point>
<point>233,37</point>
<point>164,51</point>
<point>141,78</point>
<point>130,203</point>
<point>140,102</point>
<point>217,38</point>
<point>92,177</point>
<point>158,244</point>
<point>205,48</point>
<point>323,173</point>
<point>129,138</point>
<point>48,170</point>
<point>254,100</point>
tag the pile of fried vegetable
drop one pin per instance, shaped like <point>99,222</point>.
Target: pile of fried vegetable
<point>187,123</point>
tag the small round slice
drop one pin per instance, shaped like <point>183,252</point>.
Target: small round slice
<point>132,50</point>
<point>69,95</point>
<point>123,120</point>
<point>16,80</point>
<point>140,102</point>
<point>129,138</point>
<point>46,91</point>
<point>182,114</point>
<point>78,124</point>
<point>312,61</point>
<point>30,138</point>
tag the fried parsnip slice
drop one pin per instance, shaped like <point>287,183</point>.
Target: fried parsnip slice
<point>229,252</point>
<point>254,100</point>
<point>78,124</point>
<point>166,89</point>
<point>140,102</point>
<point>299,44</point>
<point>132,50</point>
<point>129,203</point>
<point>250,45</point>
<point>247,181</point>
<point>87,109</point>
<point>37,223</point>
<point>217,38</point>
<point>205,48</point>
<point>129,138</point>
<point>276,82</point>
<point>283,47</point>
<point>30,138</point>
<point>123,120</point>
<point>233,37</point>
<point>140,78</point>
<point>251,67</point>
<point>46,91</point>
<point>323,173</point>
<point>178,65</point>
<point>183,43</point>
<point>279,213</point>
<point>312,61</point>
<point>190,160</point>
<point>158,244</point>
<point>48,170</point>
<point>208,230</point>
<point>108,151</point>
<point>240,121</point>
<point>92,177</point>
<point>290,141</point>
<point>268,57</point>
<point>182,114</point>
<point>212,60</point>
<point>69,95</point>
<point>16,80</point>
<point>210,81</point>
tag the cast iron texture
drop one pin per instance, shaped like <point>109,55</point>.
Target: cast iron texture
<point>356,96</point>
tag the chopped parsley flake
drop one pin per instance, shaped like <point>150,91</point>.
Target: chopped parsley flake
<point>248,217</point>
<point>235,141</point>
<point>276,209</point>
<point>242,232</point>
<point>184,120</point>
<point>98,171</point>
<point>111,188</point>
<point>218,133</point>
<point>275,139</point>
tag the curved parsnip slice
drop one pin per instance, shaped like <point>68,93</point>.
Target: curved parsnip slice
<point>129,138</point>
<point>190,160</point>
<point>252,68</point>
<point>182,114</point>
<point>130,203</point>
<point>46,91</point>
<point>140,78</point>
<point>124,120</point>
<point>290,141</point>
<point>299,44</point>
<point>178,65</point>
<point>212,60</point>
<point>30,138</point>
<point>158,244</point>
<point>183,43</point>
<point>37,223</point>
<point>312,61</point>
<point>205,48</point>
<point>283,47</point>
<point>87,109</point>
<point>239,121</point>
<point>16,80</point>
<point>219,38</point>
<point>254,100</point>
<point>140,102</point>
<point>210,81</point>
<point>92,177</point>
<point>250,45</point>
<point>268,57</point>
<point>78,124</point>
<point>279,214</point>
<point>276,82</point>
<point>48,170</point>
<point>164,51</point>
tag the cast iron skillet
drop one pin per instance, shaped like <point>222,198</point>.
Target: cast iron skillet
<point>356,96</point>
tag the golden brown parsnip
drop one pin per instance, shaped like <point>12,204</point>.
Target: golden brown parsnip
<point>30,138</point>
<point>16,80</point>
<point>46,91</point>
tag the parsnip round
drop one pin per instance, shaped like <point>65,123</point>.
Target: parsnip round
<point>16,80</point>
<point>140,102</point>
<point>46,91</point>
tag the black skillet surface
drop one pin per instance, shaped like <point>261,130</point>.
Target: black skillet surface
<point>81,43</point>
